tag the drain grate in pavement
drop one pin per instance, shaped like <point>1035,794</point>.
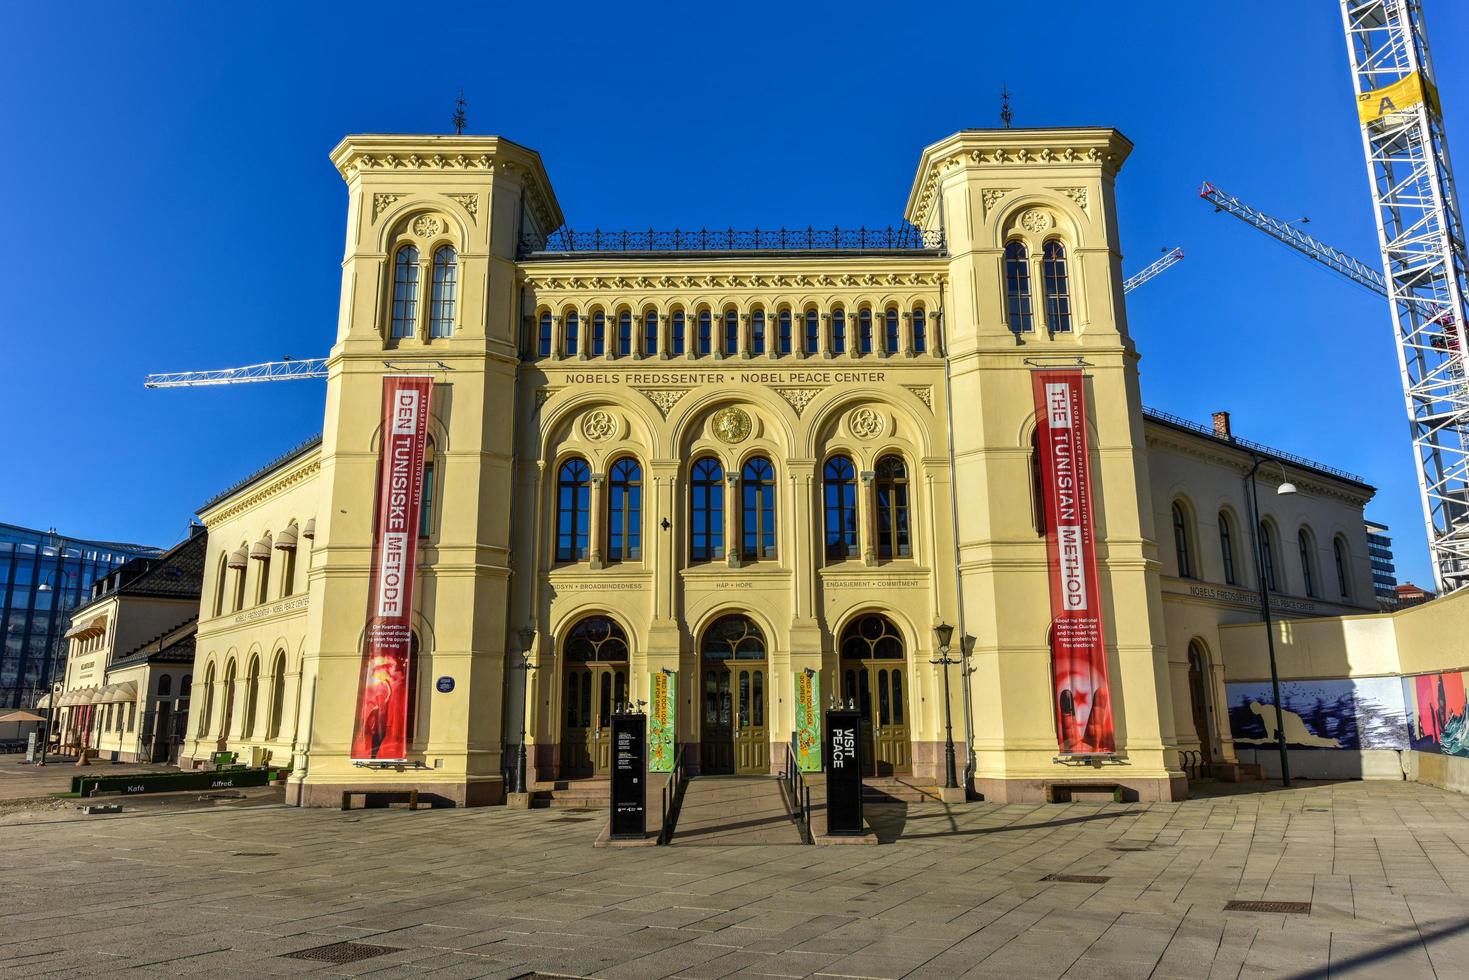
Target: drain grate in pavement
<point>341,952</point>
<point>1295,908</point>
<point>1080,879</point>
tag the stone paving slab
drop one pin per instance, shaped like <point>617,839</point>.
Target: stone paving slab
<point>958,891</point>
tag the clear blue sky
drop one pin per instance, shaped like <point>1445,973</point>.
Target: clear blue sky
<point>170,204</point>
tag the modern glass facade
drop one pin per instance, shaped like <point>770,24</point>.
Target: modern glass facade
<point>43,577</point>
<point>1384,573</point>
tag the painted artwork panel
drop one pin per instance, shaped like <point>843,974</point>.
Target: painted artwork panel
<point>1436,710</point>
<point>661,732</point>
<point>1339,713</point>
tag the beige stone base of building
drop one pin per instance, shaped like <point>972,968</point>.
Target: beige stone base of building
<point>479,792</point>
<point>1172,788</point>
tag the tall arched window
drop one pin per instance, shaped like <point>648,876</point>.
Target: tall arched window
<point>625,511</point>
<point>1339,555</point>
<point>838,331</point>
<point>706,506</point>
<point>1267,558</point>
<point>757,332</point>
<point>1226,548</point>
<point>893,540</point>
<point>1017,288</point>
<point>543,336</point>
<point>732,638</point>
<point>239,583</point>
<point>277,696</point>
<point>892,339</point>
<point>1037,485</point>
<point>570,333</point>
<point>165,686</point>
<point>864,331</point>
<point>221,574</point>
<point>426,505</point>
<point>624,334</point>
<point>731,332</point>
<point>573,510</point>
<point>839,503</point>
<point>1180,542</point>
<point>599,334</point>
<point>920,332</point>
<point>677,331</point>
<point>445,292</point>
<point>706,334</point>
<point>813,332</point>
<point>596,639</point>
<point>252,692</point>
<point>1307,549</point>
<point>784,339</point>
<point>228,712</point>
<point>757,516</point>
<point>207,710</point>
<point>1057,287</point>
<point>405,292</point>
<point>650,333</point>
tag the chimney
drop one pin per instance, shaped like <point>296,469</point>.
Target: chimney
<point>1221,425</point>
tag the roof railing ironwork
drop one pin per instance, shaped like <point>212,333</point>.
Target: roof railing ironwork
<point>1252,446</point>
<point>280,460</point>
<point>568,242</point>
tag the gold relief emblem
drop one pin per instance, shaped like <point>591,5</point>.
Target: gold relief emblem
<point>731,425</point>
<point>865,423</point>
<point>599,425</point>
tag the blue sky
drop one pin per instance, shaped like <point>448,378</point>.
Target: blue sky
<point>171,205</point>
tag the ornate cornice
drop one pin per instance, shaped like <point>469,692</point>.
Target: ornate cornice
<point>264,492</point>
<point>748,281</point>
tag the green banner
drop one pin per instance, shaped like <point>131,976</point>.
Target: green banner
<point>808,721</point>
<point>662,739</point>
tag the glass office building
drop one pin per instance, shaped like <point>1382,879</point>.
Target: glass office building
<point>1384,572</point>
<point>43,577</point>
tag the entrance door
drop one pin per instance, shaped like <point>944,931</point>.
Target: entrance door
<point>875,682</point>
<point>751,737</point>
<point>1199,701</point>
<point>592,693</point>
<point>733,732</point>
<point>716,739</point>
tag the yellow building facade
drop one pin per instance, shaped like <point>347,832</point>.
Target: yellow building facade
<point>734,460</point>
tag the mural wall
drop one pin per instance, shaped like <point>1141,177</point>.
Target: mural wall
<point>1436,712</point>
<point>1359,713</point>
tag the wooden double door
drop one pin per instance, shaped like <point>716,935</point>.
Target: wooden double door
<point>734,738</point>
<point>879,690</point>
<point>591,693</point>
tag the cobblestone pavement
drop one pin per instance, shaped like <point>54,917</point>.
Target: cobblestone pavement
<point>960,892</point>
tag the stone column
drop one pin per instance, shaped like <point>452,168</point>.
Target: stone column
<point>637,336</point>
<point>746,341</point>
<point>907,329</point>
<point>732,519</point>
<point>597,526</point>
<point>867,501</point>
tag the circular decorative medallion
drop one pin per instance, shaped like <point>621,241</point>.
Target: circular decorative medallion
<point>1035,221</point>
<point>427,226</point>
<point>599,425</point>
<point>865,423</point>
<point>731,425</point>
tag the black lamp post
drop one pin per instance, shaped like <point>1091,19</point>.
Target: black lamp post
<point>945,634</point>
<point>1286,487</point>
<point>527,639</point>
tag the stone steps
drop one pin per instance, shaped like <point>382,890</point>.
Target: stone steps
<point>897,789</point>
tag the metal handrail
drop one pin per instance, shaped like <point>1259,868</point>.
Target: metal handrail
<point>800,793</point>
<point>1247,444</point>
<point>672,792</point>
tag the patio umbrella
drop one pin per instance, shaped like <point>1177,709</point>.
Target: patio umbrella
<point>20,716</point>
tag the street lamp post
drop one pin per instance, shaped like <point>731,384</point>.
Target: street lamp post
<point>945,634</point>
<point>1286,487</point>
<point>527,638</point>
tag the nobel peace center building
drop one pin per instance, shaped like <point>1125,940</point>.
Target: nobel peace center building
<point>732,478</point>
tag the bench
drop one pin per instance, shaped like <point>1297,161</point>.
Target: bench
<point>371,797</point>
<point>1066,792</point>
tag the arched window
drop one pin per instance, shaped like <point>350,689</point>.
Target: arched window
<point>1307,547</point>
<point>186,686</point>
<point>757,332</point>
<point>426,504</point>
<point>1017,288</point>
<point>625,511</point>
<point>1180,541</point>
<point>252,691</point>
<point>1267,557</point>
<point>650,333</point>
<point>262,581</point>
<point>445,292</point>
<point>208,707</point>
<point>1226,548</point>
<point>839,501</point>
<point>570,333</point>
<point>228,713</point>
<point>920,332</point>
<point>706,505</point>
<point>624,334</point>
<point>405,292</point>
<point>221,573</point>
<point>1339,554</point>
<point>599,334</point>
<point>677,330</point>
<point>864,331</point>
<point>543,336</point>
<point>785,332</point>
<point>871,637</point>
<point>1057,287</point>
<point>732,638</point>
<point>277,696</point>
<point>891,481</point>
<point>596,639</point>
<point>813,332</point>
<point>838,332</point>
<point>757,517</point>
<point>239,583</point>
<point>1037,485</point>
<point>165,686</point>
<point>573,510</point>
<point>706,334</point>
<point>892,340</point>
<point>731,332</point>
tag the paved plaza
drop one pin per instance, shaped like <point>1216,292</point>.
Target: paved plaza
<point>957,891</point>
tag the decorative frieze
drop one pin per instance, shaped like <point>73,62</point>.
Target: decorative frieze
<point>664,398</point>
<point>924,393</point>
<point>798,398</point>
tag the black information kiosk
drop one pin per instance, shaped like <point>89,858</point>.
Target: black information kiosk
<point>844,773</point>
<point>629,777</point>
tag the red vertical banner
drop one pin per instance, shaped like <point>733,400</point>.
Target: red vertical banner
<point>1081,698</point>
<point>380,733</point>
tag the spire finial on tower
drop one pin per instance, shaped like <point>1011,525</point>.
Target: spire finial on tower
<point>1005,114</point>
<point>459,119</point>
